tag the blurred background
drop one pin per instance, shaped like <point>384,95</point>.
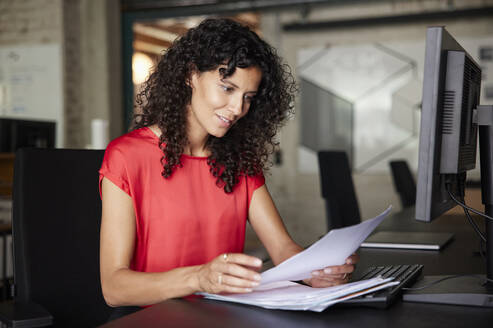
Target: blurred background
<point>70,69</point>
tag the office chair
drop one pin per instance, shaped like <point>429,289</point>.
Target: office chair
<point>403,182</point>
<point>56,224</point>
<point>338,189</point>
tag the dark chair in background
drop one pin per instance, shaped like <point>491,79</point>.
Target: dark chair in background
<point>403,182</point>
<point>338,189</point>
<point>56,224</point>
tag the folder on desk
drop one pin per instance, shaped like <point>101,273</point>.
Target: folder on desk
<point>408,240</point>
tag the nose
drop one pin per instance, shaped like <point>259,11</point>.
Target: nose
<point>236,105</point>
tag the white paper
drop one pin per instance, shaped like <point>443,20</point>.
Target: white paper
<point>276,291</point>
<point>333,249</point>
<point>288,295</point>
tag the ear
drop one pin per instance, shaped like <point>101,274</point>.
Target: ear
<point>192,79</point>
<point>192,76</point>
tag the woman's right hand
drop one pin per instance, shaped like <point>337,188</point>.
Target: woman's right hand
<point>229,273</point>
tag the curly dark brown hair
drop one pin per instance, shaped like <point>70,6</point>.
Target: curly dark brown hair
<point>165,97</point>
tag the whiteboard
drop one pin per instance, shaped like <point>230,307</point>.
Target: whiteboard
<point>31,83</point>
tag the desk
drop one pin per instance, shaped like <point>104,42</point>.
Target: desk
<point>457,257</point>
<point>461,256</point>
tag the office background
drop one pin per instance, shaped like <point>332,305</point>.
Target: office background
<point>75,50</point>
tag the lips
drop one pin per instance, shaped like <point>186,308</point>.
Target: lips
<point>224,120</point>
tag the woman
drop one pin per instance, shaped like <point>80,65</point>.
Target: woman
<point>177,190</point>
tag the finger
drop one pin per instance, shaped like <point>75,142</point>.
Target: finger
<point>232,281</point>
<point>332,278</point>
<point>255,269</point>
<point>322,283</point>
<point>353,259</point>
<point>240,272</point>
<point>322,275</point>
<point>235,290</point>
<point>338,269</point>
<point>242,259</point>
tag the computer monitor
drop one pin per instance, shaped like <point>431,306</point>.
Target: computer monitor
<point>450,119</point>
<point>15,134</point>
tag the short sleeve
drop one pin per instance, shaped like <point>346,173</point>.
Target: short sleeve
<point>114,168</point>
<point>257,181</point>
<point>253,183</point>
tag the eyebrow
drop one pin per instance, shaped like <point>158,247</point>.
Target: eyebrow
<point>234,85</point>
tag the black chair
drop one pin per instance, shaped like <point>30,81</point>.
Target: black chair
<point>403,182</point>
<point>56,224</point>
<point>338,189</point>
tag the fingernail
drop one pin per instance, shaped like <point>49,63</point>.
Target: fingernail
<point>248,290</point>
<point>328,270</point>
<point>258,262</point>
<point>254,284</point>
<point>349,261</point>
<point>257,277</point>
<point>316,273</point>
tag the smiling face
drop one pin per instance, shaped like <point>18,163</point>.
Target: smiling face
<point>217,103</point>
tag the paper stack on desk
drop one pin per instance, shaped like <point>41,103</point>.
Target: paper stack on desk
<point>287,295</point>
<point>277,291</point>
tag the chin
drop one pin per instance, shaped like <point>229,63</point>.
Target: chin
<point>218,134</point>
<point>218,130</point>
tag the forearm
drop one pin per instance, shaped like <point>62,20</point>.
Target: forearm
<point>126,287</point>
<point>287,250</point>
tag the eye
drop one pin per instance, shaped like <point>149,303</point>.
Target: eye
<point>248,98</point>
<point>226,88</point>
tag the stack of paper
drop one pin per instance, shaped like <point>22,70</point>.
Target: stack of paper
<point>286,295</point>
<point>276,290</point>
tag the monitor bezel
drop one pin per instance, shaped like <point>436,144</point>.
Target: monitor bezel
<point>429,198</point>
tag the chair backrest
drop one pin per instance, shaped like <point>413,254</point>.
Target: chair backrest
<point>403,182</point>
<point>56,224</point>
<point>338,189</point>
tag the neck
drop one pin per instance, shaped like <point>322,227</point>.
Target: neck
<point>196,149</point>
<point>197,141</point>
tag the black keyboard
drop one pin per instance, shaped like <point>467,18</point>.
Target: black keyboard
<point>406,274</point>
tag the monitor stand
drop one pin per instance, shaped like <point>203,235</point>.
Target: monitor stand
<point>478,290</point>
<point>463,290</point>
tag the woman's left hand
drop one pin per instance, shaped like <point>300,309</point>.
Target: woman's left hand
<point>333,275</point>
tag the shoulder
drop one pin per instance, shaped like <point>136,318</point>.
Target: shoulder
<point>133,141</point>
<point>133,146</point>
<point>255,181</point>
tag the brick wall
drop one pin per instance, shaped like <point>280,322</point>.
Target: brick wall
<point>73,75</point>
<point>89,32</point>
<point>24,22</point>
<point>30,21</point>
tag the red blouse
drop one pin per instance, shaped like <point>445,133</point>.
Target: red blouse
<point>180,221</point>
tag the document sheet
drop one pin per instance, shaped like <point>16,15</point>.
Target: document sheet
<point>277,291</point>
<point>333,249</point>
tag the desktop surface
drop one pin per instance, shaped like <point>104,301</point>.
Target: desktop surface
<point>206,313</point>
<point>460,256</point>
